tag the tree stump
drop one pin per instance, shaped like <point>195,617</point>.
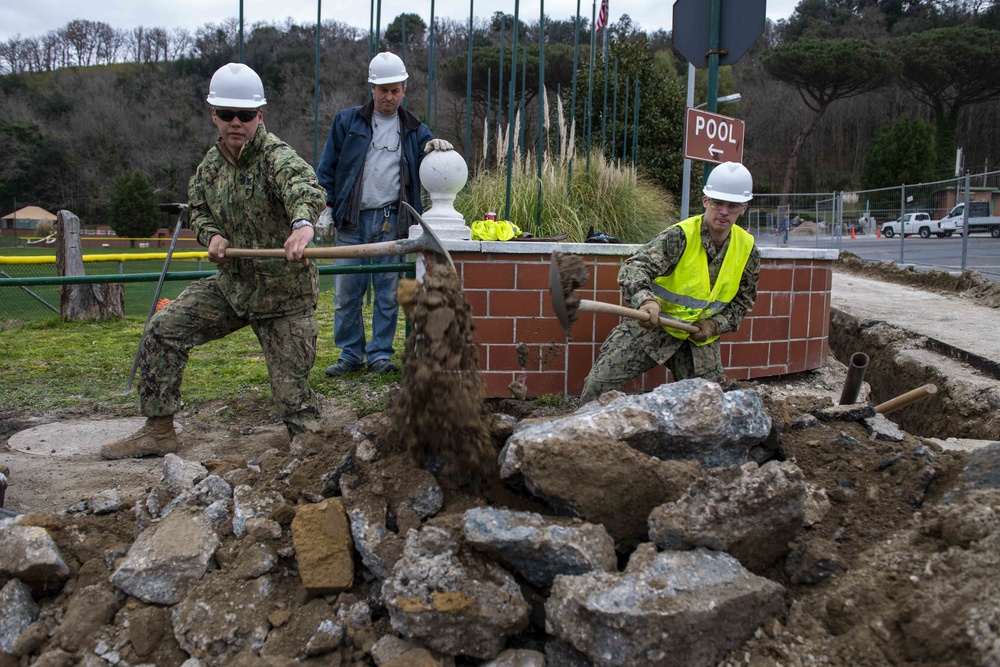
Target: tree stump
<point>97,301</point>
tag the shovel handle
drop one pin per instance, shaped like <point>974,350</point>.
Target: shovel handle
<point>631,313</point>
<point>383,249</point>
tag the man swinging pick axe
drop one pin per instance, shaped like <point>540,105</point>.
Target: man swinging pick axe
<point>702,270</point>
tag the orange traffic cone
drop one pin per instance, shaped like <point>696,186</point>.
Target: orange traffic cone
<point>852,233</point>
<point>878,233</point>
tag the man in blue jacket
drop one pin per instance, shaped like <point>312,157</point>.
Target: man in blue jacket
<point>369,166</point>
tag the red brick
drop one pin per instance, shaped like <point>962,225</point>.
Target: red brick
<point>532,276</point>
<point>725,354</point>
<point>738,374</point>
<point>797,355</point>
<point>553,357</point>
<point>493,275</point>
<point>539,330</point>
<point>744,333</point>
<point>781,303</point>
<point>493,330</point>
<point>581,360</point>
<point>484,356</point>
<point>762,306</point>
<point>750,354</point>
<point>504,358</point>
<point>477,300</point>
<point>769,328</point>
<point>607,277</point>
<point>495,385</point>
<point>819,314</point>
<point>799,318</point>
<point>514,303</point>
<point>775,279</point>
<point>778,353</point>
<point>540,384</point>
<point>802,280</point>
<point>822,279</point>
<point>816,355</point>
<point>762,372</point>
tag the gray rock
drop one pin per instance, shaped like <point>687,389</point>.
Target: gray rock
<point>690,419</point>
<point>880,427</point>
<point>254,560</point>
<point>28,553</point>
<point>390,647</point>
<point>105,502</point>
<point>17,611</point>
<point>87,611</point>
<point>846,413</point>
<point>670,608</point>
<point>749,512</point>
<point>163,561</point>
<point>379,547</point>
<point>219,618</point>
<point>180,475</point>
<point>427,498</point>
<point>517,658</point>
<point>456,603</point>
<point>249,503</point>
<point>537,547</point>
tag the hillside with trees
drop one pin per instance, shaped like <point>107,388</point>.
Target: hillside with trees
<point>825,95</point>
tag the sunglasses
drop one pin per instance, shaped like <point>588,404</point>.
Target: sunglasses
<point>227,115</point>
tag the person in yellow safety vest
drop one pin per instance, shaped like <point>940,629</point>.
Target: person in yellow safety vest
<point>702,270</point>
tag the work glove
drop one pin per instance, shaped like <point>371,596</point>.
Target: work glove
<point>706,329</point>
<point>438,145</point>
<point>651,307</point>
<point>324,226</point>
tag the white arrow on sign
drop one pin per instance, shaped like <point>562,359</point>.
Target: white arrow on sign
<point>715,151</point>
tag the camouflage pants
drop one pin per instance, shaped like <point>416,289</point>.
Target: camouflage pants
<point>622,358</point>
<point>202,314</point>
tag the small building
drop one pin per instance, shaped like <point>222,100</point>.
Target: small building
<point>26,218</point>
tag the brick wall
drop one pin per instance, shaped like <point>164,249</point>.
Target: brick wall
<point>507,286</point>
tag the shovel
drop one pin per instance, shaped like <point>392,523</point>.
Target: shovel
<point>427,243</point>
<point>564,306</point>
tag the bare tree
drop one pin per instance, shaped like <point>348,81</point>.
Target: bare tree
<point>81,35</point>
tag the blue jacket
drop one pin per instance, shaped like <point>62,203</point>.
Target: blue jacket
<point>341,167</point>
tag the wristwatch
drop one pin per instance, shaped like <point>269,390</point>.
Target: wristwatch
<point>299,224</point>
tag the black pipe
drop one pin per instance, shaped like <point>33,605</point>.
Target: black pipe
<point>855,374</point>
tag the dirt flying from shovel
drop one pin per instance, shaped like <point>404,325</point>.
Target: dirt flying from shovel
<point>572,274</point>
<point>440,412</point>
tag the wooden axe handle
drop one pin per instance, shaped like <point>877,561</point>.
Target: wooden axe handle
<point>383,249</point>
<point>622,311</point>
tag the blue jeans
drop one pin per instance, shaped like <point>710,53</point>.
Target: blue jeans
<point>374,225</point>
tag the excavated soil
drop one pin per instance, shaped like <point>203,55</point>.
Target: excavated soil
<point>914,573</point>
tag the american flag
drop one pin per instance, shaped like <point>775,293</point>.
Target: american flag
<point>602,17</point>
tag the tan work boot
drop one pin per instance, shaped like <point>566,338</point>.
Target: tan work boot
<point>156,438</point>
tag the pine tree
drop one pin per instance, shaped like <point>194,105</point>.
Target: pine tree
<point>132,208</point>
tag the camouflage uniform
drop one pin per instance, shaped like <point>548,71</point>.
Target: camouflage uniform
<point>251,202</point>
<point>631,350</point>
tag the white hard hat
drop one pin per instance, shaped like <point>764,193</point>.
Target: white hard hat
<point>236,86</point>
<point>730,181</point>
<point>386,68</point>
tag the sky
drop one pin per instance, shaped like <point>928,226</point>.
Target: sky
<point>37,17</point>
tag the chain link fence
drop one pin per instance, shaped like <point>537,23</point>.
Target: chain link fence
<point>922,225</point>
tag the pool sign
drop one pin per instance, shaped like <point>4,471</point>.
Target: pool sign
<point>711,137</point>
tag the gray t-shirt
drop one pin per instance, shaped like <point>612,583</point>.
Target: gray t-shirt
<point>381,180</point>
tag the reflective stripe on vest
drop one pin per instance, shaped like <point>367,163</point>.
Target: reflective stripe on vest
<point>687,293</point>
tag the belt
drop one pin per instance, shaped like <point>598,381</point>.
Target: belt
<point>391,208</point>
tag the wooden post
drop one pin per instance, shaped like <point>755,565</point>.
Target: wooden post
<point>82,302</point>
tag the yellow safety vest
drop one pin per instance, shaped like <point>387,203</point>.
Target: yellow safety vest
<point>687,293</point>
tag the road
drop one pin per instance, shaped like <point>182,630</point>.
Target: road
<point>981,252</point>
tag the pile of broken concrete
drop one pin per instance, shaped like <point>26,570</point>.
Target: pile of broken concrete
<point>636,532</point>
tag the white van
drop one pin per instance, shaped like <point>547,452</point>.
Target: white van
<point>980,219</point>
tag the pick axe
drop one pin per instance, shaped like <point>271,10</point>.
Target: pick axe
<point>427,244</point>
<point>565,307</point>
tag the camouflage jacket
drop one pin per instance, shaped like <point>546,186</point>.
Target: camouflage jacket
<point>252,203</point>
<point>658,258</point>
